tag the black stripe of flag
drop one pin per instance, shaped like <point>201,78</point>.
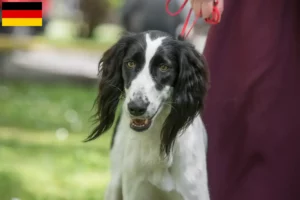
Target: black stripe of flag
<point>21,5</point>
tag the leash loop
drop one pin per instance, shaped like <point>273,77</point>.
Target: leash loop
<point>215,15</point>
<point>178,11</point>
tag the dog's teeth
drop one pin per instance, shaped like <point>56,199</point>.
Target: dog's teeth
<point>139,123</point>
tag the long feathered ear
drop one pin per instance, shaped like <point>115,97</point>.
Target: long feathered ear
<point>110,87</point>
<point>188,96</point>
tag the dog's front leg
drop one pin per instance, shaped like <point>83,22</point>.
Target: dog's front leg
<point>193,188</point>
<point>135,189</point>
<point>114,190</point>
<point>190,174</point>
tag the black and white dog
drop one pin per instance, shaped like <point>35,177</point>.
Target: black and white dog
<point>159,144</point>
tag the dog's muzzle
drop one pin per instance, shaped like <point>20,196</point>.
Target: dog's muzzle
<point>137,109</point>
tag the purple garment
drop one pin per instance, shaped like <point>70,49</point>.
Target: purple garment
<point>252,111</point>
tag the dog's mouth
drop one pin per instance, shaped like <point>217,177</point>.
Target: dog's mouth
<point>139,124</point>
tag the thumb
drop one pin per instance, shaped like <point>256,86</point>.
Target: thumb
<point>196,5</point>
<point>221,6</point>
<point>206,8</point>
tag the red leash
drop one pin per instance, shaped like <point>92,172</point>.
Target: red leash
<point>213,19</point>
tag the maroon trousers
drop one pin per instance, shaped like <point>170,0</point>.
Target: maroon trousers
<point>252,111</point>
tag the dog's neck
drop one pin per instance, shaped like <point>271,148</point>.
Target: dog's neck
<point>147,143</point>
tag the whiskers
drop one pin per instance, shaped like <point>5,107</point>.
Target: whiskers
<point>115,87</point>
<point>169,104</point>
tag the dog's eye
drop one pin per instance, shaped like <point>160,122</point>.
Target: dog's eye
<point>131,64</point>
<point>163,67</point>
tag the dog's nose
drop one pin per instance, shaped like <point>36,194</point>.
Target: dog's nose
<point>138,107</point>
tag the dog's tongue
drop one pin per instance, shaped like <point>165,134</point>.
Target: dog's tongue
<point>140,121</point>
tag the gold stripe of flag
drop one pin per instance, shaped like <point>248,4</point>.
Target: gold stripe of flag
<point>22,21</point>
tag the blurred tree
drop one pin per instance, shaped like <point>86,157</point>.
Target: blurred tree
<point>143,15</point>
<point>94,13</point>
<point>116,3</point>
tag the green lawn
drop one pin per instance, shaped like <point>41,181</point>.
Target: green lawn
<point>42,156</point>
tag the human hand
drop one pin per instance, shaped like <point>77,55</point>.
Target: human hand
<point>203,8</point>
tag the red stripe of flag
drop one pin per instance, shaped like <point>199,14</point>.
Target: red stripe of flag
<point>22,13</point>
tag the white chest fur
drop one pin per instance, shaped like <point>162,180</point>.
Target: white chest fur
<point>144,162</point>
<point>136,160</point>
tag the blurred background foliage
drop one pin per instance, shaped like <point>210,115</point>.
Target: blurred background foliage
<point>42,155</point>
<point>116,3</point>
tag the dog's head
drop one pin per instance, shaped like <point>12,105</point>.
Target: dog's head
<point>152,70</point>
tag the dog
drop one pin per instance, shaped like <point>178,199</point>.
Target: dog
<point>159,143</point>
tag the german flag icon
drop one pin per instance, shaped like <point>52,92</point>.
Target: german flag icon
<point>22,14</point>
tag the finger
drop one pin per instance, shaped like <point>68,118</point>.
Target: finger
<point>196,5</point>
<point>206,9</point>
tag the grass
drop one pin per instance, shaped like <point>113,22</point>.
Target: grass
<point>46,106</point>
<point>41,151</point>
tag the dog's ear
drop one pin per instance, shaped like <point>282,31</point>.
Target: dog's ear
<point>188,96</point>
<point>110,87</point>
